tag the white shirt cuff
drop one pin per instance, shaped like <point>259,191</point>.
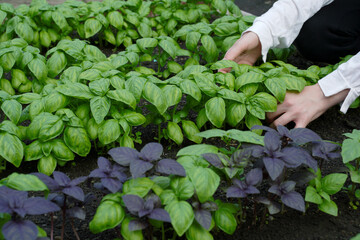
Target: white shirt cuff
<point>265,36</point>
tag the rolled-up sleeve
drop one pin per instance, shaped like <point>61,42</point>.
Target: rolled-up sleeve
<point>346,76</point>
<point>279,26</point>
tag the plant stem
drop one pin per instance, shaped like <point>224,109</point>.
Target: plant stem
<point>74,229</point>
<point>64,218</point>
<point>52,226</point>
<point>159,133</point>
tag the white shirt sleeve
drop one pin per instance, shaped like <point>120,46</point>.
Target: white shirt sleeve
<point>346,76</point>
<point>281,24</point>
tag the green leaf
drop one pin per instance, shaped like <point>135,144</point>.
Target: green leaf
<point>350,150</point>
<point>154,95</point>
<point>24,31</point>
<point>251,121</point>
<point>248,77</point>
<point>7,61</point>
<point>52,127</point>
<point>94,54</point>
<point>192,40</point>
<point>174,132</point>
<point>197,232</point>
<point>145,43</point>
<point>235,112</point>
<point>312,195</point>
<point>190,88</point>
<point>138,186</point>
<point>145,30</point>
<point>225,220</point>
<point>267,102</point>
<point>181,215</point>
<point>12,110</point>
<point>60,151</point>
<point>100,107</point>
<point>77,90</point>
<point>108,215</point>
<point>182,187</point>
<point>55,101</point>
<point>77,140</point>
<point>47,165</point>
<point>56,63</point>
<point>205,181</point>
<point>215,111</point>
<point>124,96</point>
<point>191,130</point>
<point>130,235</point>
<point>226,29</point>
<point>2,16</point>
<point>133,118</point>
<point>197,150</point>
<point>11,148</point>
<point>92,26</point>
<point>333,183</point>
<point>115,19</point>
<point>211,51</point>
<point>168,47</point>
<point>277,87</point>
<point>25,182</point>
<point>167,196</point>
<point>329,207</point>
<point>33,151</point>
<point>38,68</point>
<point>206,85</point>
<point>293,82</point>
<point>173,94</point>
<point>135,85</point>
<point>100,87</point>
<point>59,19</point>
<point>212,133</point>
<point>223,64</point>
<point>245,136</point>
<point>109,131</point>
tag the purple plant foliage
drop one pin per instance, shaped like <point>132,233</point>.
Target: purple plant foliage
<point>288,195</point>
<point>203,213</point>
<point>241,189</point>
<point>276,157</point>
<point>112,176</point>
<point>150,208</point>
<point>62,183</point>
<point>272,206</point>
<point>17,203</point>
<point>143,161</point>
<point>326,150</point>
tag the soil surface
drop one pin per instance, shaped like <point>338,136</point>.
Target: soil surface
<point>291,224</point>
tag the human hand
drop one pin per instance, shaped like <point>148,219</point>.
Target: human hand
<point>246,50</point>
<point>304,107</point>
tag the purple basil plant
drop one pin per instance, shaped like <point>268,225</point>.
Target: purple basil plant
<point>145,160</point>
<point>288,195</point>
<point>149,208</point>
<point>241,189</point>
<point>112,176</point>
<point>18,205</point>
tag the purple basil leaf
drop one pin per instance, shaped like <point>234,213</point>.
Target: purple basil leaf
<point>97,173</point>
<point>152,201</point>
<point>57,198</point>
<point>119,175</point>
<point>19,211</point>
<point>61,178</point>
<point>263,200</point>
<point>254,177</point>
<point>133,203</point>
<point>23,229</point>
<point>38,205</point>
<point>275,189</point>
<point>144,212</point>
<point>294,200</point>
<point>252,190</point>
<point>334,155</point>
<point>213,159</point>
<point>274,207</point>
<point>303,135</point>
<point>104,163</point>
<point>272,141</point>
<point>287,186</point>
<point>139,167</point>
<point>240,184</point>
<point>75,192</point>
<point>4,206</point>
<point>49,182</point>
<point>257,151</point>
<point>302,177</point>
<point>325,150</point>
<point>77,181</point>
<point>151,151</point>
<point>135,225</point>
<point>113,185</point>
<point>160,214</point>
<point>170,166</point>
<point>283,131</point>
<point>76,212</point>
<point>124,155</point>
<point>273,166</point>
<point>235,192</point>
<point>204,218</point>
<point>294,156</point>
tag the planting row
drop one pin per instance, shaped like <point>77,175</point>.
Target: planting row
<point>147,194</point>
